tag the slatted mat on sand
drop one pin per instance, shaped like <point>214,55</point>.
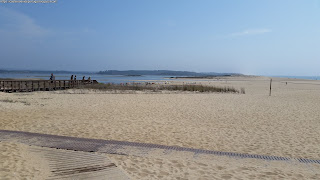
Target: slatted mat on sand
<point>130,148</point>
<point>78,165</point>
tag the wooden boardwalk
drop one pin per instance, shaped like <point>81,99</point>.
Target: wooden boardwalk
<point>132,148</point>
<point>66,164</point>
<point>41,85</point>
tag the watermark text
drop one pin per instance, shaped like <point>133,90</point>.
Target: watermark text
<point>28,1</point>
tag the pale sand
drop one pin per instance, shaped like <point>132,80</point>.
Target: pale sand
<point>285,124</point>
<point>216,168</point>
<point>16,162</point>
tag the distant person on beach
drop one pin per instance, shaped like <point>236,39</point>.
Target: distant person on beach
<point>75,80</point>
<point>83,78</point>
<point>71,77</point>
<point>52,78</point>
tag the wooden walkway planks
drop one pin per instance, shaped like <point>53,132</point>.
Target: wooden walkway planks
<point>78,165</point>
<point>127,148</point>
<point>41,85</point>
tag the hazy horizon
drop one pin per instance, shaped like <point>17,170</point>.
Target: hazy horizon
<point>249,37</point>
<point>83,71</point>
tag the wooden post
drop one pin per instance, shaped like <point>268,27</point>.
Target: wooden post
<point>64,84</point>
<point>270,87</point>
<point>11,86</point>
<point>44,85</point>
<point>31,85</point>
<point>38,85</point>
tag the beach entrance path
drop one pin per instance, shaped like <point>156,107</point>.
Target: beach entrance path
<point>131,148</point>
<point>53,163</point>
<point>66,164</point>
<point>83,158</point>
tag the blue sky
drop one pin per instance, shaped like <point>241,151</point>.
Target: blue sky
<point>268,37</point>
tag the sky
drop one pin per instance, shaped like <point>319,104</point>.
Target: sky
<point>265,37</point>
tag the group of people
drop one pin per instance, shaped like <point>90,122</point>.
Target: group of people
<point>75,78</point>
<point>53,78</point>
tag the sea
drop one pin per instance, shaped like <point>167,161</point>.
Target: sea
<point>116,79</point>
<point>300,77</point>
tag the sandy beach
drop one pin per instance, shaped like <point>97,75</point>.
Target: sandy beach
<point>285,124</point>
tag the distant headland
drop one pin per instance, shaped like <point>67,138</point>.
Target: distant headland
<point>126,73</point>
<point>163,73</point>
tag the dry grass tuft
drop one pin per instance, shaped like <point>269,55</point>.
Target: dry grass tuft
<point>158,88</point>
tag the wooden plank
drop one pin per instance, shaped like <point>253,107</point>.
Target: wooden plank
<point>34,85</point>
<point>128,148</point>
<point>64,164</point>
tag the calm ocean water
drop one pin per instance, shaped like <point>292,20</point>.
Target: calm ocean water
<point>100,78</point>
<point>113,78</point>
<point>301,77</point>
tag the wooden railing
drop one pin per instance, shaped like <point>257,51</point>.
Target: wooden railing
<point>40,85</point>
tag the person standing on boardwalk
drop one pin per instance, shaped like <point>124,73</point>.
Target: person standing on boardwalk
<point>75,79</point>
<point>71,80</point>
<point>52,78</point>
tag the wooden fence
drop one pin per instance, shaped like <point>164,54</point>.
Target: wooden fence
<point>40,85</point>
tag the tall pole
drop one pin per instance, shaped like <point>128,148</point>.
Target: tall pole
<point>270,87</point>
